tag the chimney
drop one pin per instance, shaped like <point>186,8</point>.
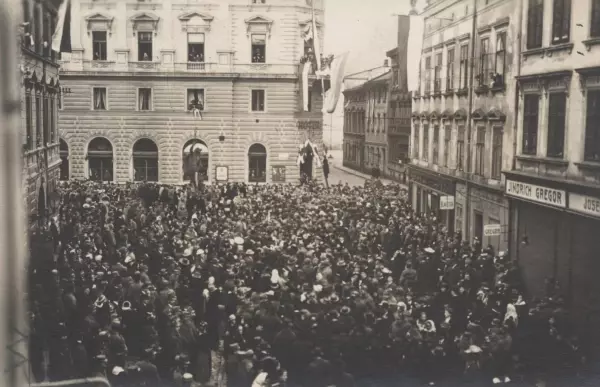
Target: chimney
<point>386,63</point>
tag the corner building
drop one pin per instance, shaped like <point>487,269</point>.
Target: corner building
<point>40,90</point>
<point>463,116</point>
<point>554,187</point>
<point>149,80</point>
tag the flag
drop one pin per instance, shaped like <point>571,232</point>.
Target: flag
<point>305,71</point>
<point>337,75</point>
<point>61,38</point>
<point>415,46</point>
<point>315,37</point>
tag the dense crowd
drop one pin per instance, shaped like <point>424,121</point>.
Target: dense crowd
<point>272,285</point>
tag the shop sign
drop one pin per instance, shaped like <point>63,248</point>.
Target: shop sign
<point>284,156</point>
<point>446,202</point>
<point>536,193</point>
<point>278,174</point>
<point>222,173</point>
<point>585,204</point>
<point>492,230</point>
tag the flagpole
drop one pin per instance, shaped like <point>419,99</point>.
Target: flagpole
<point>317,54</point>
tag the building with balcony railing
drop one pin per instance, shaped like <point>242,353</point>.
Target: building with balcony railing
<point>355,110</point>
<point>463,116</point>
<point>40,90</point>
<point>554,184</point>
<point>149,81</point>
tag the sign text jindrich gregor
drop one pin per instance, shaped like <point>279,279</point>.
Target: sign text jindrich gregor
<point>553,197</point>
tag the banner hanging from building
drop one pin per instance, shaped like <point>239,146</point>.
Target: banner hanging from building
<point>415,47</point>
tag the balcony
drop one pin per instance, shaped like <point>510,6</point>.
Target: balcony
<point>185,67</point>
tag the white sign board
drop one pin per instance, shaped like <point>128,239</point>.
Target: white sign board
<point>492,230</point>
<point>536,193</point>
<point>222,173</point>
<point>446,202</point>
<point>284,156</point>
<point>585,204</point>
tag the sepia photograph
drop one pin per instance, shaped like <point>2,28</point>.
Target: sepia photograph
<point>300,193</point>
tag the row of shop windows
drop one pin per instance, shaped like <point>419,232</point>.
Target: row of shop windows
<point>100,160</point>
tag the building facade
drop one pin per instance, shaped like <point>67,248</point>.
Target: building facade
<point>554,187</point>
<point>463,116</point>
<point>354,127</point>
<point>376,126</point>
<point>40,91</point>
<point>149,81</point>
<point>399,106</point>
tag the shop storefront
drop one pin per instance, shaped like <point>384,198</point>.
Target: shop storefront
<point>556,234</point>
<point>432,192</point>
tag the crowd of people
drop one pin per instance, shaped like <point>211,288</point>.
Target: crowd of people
<point>273,285</point>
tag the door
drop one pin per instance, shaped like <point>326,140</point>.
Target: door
<point>478,225</point>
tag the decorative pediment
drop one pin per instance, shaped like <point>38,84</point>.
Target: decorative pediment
<point>496,115</point>
<point>99,22</point>
<point>195,21</point>
<point>435,115</point>
<point>478,114</point>
<point>424,115</point>
<point>544,81</point>
<point>416,115</point>
<point>145,22</point>
<point>460,114</point>
<point>447,114</point>
<point>258,25</point>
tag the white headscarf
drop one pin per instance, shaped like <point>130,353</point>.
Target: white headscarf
<point>511,312</point>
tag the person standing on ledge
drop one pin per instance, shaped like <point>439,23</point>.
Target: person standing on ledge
<point>326,169</point>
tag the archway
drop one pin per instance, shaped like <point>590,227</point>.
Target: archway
<point>195,159</point>
<point>64,158</point>
<point>257,163</point>
<point>100,160</point>
<point>145,160</point>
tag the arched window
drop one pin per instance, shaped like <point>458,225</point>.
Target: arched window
<point>195,159</point>
<point>100,160</point>
<point>145,160</point>
<point>257,163</point>
<point>64,158</point>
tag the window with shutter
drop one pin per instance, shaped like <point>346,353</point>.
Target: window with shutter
<point>592,127</point>
<point>561,21</point>
<point>535,23</point>
<point>595,27</point>
<point>530,124</point>
<point>556,124</point>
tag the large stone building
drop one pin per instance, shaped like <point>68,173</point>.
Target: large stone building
<point>377,95</point>
<point>148,81</point>
<point>354,127</point>
<point>463,116</point>
<point>554,185</point>
<point>40,90</point>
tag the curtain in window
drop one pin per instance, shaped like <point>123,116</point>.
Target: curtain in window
<point>100,99</point>
<point>144,99</point>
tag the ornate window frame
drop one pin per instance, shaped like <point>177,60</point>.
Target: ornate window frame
<point>253,22</point>
<point>99,22</point>
<point>144,22</point>
<point>198,28</point>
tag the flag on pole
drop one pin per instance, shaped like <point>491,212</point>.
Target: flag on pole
<point>305,96</point>
<point>415,46</point>
<point>336,76</point>
<point>315,37</point>
<point>61,38</point>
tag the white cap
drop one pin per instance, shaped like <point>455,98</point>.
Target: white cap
<point>117,370</point>
<point>187,376</point>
